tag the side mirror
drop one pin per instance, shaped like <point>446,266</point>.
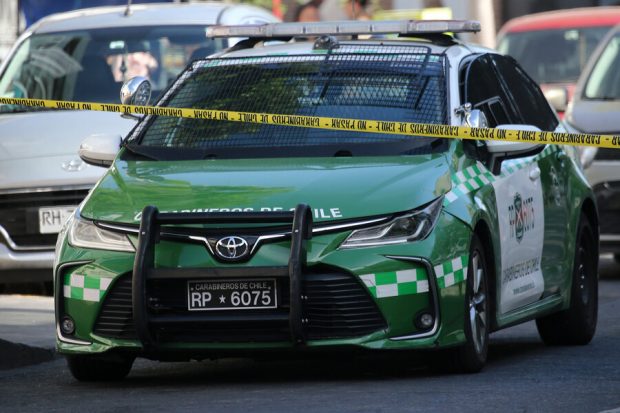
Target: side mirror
<point>586,155</point>
<point>557,98</point>
<point>136,91</point>
<point>498,151</point>
<point>100,149</point>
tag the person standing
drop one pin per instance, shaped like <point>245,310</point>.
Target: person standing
<point>356,9</point>
<point>309,11</point>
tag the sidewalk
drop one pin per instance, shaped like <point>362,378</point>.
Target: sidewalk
<point>27,319</point>
<point>27,333</point>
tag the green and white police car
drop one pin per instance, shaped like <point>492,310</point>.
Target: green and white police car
<point>209,238</point>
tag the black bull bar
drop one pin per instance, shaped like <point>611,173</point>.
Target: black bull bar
<point>150,234</point>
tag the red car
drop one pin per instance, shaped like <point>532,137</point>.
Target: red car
<point>553,47</point>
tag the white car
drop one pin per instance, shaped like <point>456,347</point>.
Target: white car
<point>595,108</point>
<point>84,55</point>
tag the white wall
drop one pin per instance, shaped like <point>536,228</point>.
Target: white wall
<point>8,26</point>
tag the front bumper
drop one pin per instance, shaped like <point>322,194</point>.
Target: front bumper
<point>25,266</point>
<point>26,252</point>
<point>608,201</point>
<point>365,297</point>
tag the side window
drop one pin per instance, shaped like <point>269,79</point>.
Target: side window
<point>529,101</point>
<point>481,87</point>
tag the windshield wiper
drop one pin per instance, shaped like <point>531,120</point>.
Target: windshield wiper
<point>436,144</point>
<point>140,151</point>
<point>166,153</point>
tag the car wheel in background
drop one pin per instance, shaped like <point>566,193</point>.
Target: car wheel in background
<point>577,324</point>
<point>99,368</point>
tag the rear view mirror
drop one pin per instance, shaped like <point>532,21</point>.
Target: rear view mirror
<point>477,119</point>
<point>136,91</point>
<point>473,118</point>
<point>100,149</point>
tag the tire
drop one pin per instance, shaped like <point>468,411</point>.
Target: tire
<point>99,368</point>
<point>472,356</point>
<point>577,324</point>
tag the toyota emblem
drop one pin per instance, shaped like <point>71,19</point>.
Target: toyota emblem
<point>231,248</point>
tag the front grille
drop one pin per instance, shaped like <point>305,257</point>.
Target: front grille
<point>19,214</point>
<point>337,306</point>
<point>116,316</point>
<point>169,298</point>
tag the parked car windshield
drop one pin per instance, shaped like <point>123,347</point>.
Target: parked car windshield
<point>389,87</point>
<point>91,65</point>
<point>604,80</point>
<point>552,56</point>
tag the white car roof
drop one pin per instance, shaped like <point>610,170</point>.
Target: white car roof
<point>153,15</point>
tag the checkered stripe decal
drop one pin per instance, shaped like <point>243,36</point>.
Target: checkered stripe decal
<point>477,176</point>
<point>395,283</point>
<point>452,272</point>
<point>83,287</point>
<point>468,180</point>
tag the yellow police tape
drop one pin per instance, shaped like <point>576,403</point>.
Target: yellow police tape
<point>319,122</point>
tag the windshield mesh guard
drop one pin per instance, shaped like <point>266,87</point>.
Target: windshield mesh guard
<point>405,84</point>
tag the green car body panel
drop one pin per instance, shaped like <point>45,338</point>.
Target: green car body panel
<point>337,189</point>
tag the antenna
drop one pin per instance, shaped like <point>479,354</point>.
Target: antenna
<point>128,9</point>
<point>353,10</point>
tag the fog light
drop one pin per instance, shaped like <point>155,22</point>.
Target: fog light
<point>425,321</point>
<point>67,325</point>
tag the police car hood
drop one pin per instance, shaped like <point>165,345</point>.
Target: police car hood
<point>335,188</point>
<point>40,148</point>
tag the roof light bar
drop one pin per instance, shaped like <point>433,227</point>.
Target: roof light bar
<point>344,28</point>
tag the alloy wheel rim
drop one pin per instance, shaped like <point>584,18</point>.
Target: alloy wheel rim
<point>477,304</point>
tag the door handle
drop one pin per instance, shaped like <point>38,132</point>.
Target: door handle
<point>534,173</point>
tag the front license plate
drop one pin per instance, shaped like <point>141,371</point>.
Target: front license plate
<point>231,294</point>
<point>51,219</point>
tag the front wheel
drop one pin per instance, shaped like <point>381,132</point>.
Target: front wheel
<point>99,368</point>
<point>472,356</point>
<point>577,324</point>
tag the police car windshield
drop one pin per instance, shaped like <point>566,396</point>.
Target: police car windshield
<point>91,65</point>
<point>388,86</point>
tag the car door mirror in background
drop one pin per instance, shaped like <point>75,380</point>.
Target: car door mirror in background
<point>557,97</point>
<point>498,151</point>
<point>100,149</point>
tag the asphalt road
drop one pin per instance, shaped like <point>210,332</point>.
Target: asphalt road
<point>522,375</point>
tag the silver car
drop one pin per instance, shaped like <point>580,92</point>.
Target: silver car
<point>84,55</point>
<point>596,109</point>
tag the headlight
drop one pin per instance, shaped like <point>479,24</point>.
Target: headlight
<point>414,226</point>
<point>61,236</point>
<point>85,234</point>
